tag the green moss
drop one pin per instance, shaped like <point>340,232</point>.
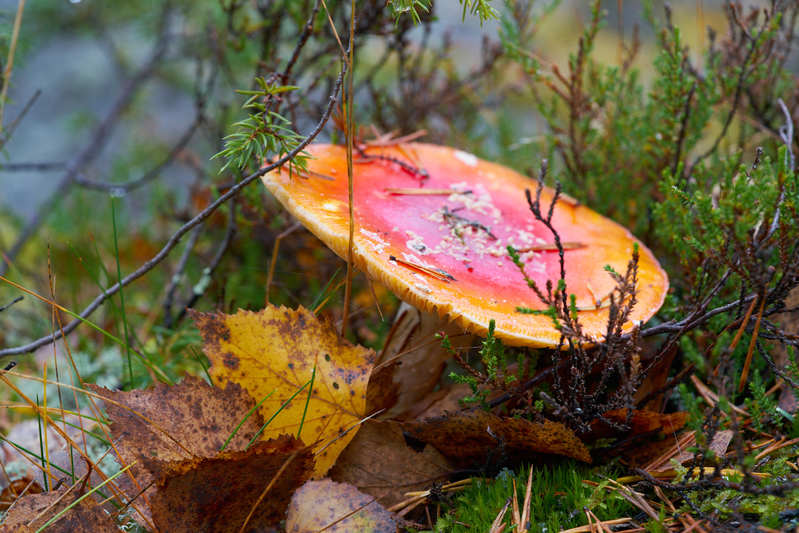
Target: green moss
<point>558,498</point>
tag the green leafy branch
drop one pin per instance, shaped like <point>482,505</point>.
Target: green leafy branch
<point>264,131</point>
<point>481,8</point>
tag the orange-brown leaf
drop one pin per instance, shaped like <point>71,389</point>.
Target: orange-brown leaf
<point>473,435</point>
<point>191,420</point>
<point>188,420</point>
<point>23,485</point>
<point>273,353</point>
<point>217,494</point>
<point>379,462</point>
<point>647,421</point>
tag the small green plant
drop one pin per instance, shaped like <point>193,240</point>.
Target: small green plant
<point>761,406</point>
<point>264,133</point>
<point>493,372</point>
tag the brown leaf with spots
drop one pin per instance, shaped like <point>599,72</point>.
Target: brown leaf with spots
<point>336,508</point>
<point>32,511</point>
<point>189,420</point>
<point>272,354</point>
<point>217,494</point>
<point>379,462</point>
<point>475,435</point>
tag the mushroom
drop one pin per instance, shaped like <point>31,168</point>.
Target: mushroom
<point>433,224</point>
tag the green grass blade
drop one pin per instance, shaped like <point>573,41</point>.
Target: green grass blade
<point>250,412</point>
<point>94,326</point>
<point>121,291</point>
<point>76,502</point>
<point>307,401</point>
<point>323,292</point>
<point>41,446</point>
<point>283,406</point>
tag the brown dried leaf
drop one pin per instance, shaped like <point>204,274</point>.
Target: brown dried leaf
<point>171,423</point>
<point>273,353</point>
<point>17,487</point>
<point>474,435</point>
<point>32,511</point>
<point>336,508</point>
<point>380,463</point>
<point>641,422</point>
<point>217,494</point>
<point>190,420</point>
<point>382,392</point>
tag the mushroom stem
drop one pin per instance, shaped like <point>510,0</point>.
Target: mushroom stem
<point>422,358</point>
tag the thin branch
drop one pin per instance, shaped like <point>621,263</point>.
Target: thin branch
<point>98,141</point>
<point>151,174</point>
<point>199,289</point>
<point>12,302</point>
<point>735,103</point>
<point>12,49</point>
<point>683,129</point>
<point>9,131</point>
<point>185,228</point>
<point>177,277</point>
<point>49,166</point>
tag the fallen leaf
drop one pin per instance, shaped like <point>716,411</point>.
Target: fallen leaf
<point>382,392</point>
<point>170,423</point>
<point>380,463</point>
<point>216,495</point>
<point>336,508</point>
<point>272,354</point>
<point>476,435</point>
<point>11,492</point>
<point>190,420</point>
<point>32,511</point>
<point>641,422</point>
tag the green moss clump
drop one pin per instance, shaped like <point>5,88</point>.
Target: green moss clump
<point>558,498</point>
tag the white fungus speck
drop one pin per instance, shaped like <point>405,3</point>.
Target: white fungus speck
<point>466,158</point>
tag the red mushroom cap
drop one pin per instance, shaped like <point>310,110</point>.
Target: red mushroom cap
<point>433,224</point>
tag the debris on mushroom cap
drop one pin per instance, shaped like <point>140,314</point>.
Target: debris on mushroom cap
<point>433,224</point>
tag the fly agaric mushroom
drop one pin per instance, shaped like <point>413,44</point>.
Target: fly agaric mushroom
<point>433,225</point>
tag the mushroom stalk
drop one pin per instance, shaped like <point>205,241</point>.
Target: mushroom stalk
<point>421,356</point>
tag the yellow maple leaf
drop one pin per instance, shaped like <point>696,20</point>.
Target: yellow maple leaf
<point>272,354</point>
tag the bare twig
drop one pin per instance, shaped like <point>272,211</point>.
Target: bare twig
<point>98,141</point>
<point>185,228</point>
<point>12,49</point>
<point>12,302</point>
<point>148,176</point>
<point>9,131</point>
